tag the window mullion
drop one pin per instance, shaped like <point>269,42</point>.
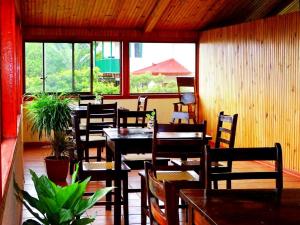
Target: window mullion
<point>73,68</point>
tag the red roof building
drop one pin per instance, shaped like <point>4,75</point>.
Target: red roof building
<point>169,67</point>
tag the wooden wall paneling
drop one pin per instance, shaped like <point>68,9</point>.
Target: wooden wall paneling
<point>253,70</point>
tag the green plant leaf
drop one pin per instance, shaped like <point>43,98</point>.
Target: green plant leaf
<point>66,194</point>
<point>65,215</point>
<point>83,221</point>
<point>86,204</point>
<point>43,186</point>
<point>75,173</point>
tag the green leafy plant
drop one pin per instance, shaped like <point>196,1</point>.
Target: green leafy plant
<point>151,116</point>
<point>59,205</point>
<point>51,115</point>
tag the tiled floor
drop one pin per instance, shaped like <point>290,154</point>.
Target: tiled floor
<point>33,159</point>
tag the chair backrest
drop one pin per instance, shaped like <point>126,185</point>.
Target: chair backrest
<point>76,133</point>
<point>141,106</point>
<point>84,100</point>
<point>142,103</point>
<point>124,115</point>
<point>242,154</point>
<point>178,140</point>
<point>164,192</point>
<point>226,130</point>
<point>186,96</point>
<point>100,116</point>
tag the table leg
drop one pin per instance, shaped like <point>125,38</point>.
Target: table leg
<point>117,182</point>
<point>108,182</point>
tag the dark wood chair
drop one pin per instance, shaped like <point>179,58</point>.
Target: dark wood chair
<point>84,100</point>
<point>185,109</point>
<point>175,147</point>
<point>127,118</point>
<point>165,192</point>
<point>101,171</point>
<point>210,173</point>
<point>225,138</point>
<point>99,116</point>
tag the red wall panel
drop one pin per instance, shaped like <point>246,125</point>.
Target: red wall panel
<point>9,76</point>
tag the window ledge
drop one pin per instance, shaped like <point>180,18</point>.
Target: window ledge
<point>7,155</point>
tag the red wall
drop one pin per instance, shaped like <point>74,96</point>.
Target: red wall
<point>11,84</point>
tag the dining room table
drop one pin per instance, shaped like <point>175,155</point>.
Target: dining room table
<point>242,206</point>
<point>121,141</point>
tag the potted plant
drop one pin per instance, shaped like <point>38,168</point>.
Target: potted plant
<point>51,115</point>
<point>150,118</point>
<point>58,205</point>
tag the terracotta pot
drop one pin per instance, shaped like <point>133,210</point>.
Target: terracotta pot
<point>57,169</point>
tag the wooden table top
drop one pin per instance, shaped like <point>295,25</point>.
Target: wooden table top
<point>247,207</point>
<point>146,133</point>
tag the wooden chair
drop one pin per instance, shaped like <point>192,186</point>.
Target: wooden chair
<point>225,137</point>
<point>174,148</point>
<point>84,100</point>
<point>127,118</point>
<point>165,192</point>
<point>101,171</point>
<point>185,109</point>
<point>99,116</point>
<point>141,106</point>
<point>210,173</point>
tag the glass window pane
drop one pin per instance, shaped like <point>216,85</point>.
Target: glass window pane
<point>154,69</point>
<point>33,67</point>
<point>82,66</point>
<point>106,67</point>
<point>58,67</point>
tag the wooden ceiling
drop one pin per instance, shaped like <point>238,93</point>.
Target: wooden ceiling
<point>148,15</point>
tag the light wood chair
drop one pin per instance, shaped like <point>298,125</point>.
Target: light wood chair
<point>185,109</point>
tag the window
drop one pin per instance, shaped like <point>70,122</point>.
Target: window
<point>95,67</point>
<point>138,50</point>
<point>57,67</point>
<point>106,67</point>
<point>160,64</point>
<point>34,67</point>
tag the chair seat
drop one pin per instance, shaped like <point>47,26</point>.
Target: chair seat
<point>194,162</point>
<point>136,161</point>
<point>93,137</point>
<point>181,115</point>
<point>177,175</point>
<point>134,157</point>
<point>94,166</point>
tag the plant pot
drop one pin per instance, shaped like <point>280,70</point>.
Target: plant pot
<point>57,169</point>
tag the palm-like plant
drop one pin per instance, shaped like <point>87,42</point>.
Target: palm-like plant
<point>51,115</point>
<point>58,205</point>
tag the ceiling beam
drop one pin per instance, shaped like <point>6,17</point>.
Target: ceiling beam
<point>155,15</point>
<point>280,6</point>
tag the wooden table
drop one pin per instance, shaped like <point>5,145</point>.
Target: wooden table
<point>121,141</point>
<point>247,207</point>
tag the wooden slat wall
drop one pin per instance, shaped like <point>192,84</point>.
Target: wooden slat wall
<point>253,70</point>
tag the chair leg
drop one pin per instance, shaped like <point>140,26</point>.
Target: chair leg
<point>216,184</point>
<point>125,200</point>
<point>99,149</point>
<point>143,201</point>
<point>108,195</point>
<point>228,184</point>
